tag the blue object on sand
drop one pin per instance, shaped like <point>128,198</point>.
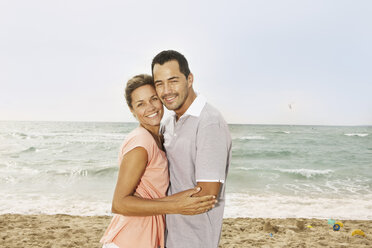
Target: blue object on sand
<point>336,227</point>
<point>271,234</point>
<point>331,222</point>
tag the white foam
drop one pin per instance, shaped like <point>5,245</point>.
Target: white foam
<point>237,205</point>
<point>357,134</point>
<point>39,204</point>
<point>254,137</point>
<point>278,206</point>
<point>305,172</point>
<point>245,168</point>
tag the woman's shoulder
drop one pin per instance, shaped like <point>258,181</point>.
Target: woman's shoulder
<point>139,135</point>
<point>138,132</point>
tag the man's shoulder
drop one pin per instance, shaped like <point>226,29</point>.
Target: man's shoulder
<point>211,115</point>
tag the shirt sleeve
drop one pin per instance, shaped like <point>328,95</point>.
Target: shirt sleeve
<point>212,153</point>
<point>138,140</point>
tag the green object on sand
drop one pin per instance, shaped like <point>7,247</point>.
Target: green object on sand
<point>331,222</point>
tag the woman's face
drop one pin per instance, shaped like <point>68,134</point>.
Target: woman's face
<point>146,106</point>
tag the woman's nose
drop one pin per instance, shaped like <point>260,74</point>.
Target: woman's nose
<point>151,107</point>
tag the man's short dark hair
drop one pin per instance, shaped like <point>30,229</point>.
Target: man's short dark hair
<point>169,55</point>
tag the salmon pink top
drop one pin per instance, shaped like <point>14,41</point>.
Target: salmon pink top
<point>142,231</point>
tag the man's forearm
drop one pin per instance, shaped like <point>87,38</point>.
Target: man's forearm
<point>209,188</point>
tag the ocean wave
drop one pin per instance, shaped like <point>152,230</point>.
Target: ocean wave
<point>356,134</point>
<point>285,132</point>
<point>83,172</point>
<point>30,149</point>
<point>262,154</point>
<point>245,168</point>
<point>18,135</point>
<point>87,135</point>
<point>308,173</point>
<point>254,137</point>
<point>237,205</point>
<point>109,171</point>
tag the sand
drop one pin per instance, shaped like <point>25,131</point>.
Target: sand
<point>77,231</point>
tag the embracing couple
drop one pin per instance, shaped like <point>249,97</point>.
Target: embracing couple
<point>177,168</point>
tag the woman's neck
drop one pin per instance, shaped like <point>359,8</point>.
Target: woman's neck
<point>154,130</point>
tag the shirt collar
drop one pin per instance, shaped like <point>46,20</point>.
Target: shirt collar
<point>196,106</point>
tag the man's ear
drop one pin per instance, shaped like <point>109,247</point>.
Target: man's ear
<point>190,80</point>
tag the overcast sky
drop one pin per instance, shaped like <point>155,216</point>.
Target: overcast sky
<point>70,60</point>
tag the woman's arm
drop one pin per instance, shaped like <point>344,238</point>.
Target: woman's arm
<point>126,203</point>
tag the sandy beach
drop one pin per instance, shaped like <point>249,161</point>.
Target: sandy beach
<point>85,231</point>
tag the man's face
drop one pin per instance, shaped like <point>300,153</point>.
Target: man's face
<point>171,84</point>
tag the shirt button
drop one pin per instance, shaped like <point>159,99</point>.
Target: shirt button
<point>175,135</point>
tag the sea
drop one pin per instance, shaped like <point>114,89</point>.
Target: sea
<point>277,171</point>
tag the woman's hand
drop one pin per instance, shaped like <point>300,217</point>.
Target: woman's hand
<point>184,202</point>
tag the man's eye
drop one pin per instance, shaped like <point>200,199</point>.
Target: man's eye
<point>158,84</point>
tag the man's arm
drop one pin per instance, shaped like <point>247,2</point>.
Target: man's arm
<point>209,188</point>
<point>211,159</point>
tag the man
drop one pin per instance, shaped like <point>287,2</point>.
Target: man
<point>198,146</point>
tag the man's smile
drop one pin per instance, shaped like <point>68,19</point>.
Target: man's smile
<point>169,98</point>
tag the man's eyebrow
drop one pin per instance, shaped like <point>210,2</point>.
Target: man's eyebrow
<point>175,77</point>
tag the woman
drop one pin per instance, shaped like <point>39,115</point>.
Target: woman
<point>140,200</point>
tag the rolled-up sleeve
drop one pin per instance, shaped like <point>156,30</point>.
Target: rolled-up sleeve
<point>212,151</point>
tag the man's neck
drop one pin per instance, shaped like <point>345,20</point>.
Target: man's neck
<point>185,106</point>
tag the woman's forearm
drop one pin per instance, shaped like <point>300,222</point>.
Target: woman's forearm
<point>136,206</point>
<point>179,203</point>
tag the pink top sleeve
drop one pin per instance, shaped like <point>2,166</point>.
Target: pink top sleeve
<point>139,138</point>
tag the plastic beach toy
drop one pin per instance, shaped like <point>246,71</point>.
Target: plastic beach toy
<point>340,223</point>
<point>358,232</point>
<point>331,222</point>
<point>309,226</point>
<point>336,227</point>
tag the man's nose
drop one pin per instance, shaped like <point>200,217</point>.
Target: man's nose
<point>167,89</point>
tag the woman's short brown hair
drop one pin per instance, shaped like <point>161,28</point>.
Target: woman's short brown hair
<point>134,83</point>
